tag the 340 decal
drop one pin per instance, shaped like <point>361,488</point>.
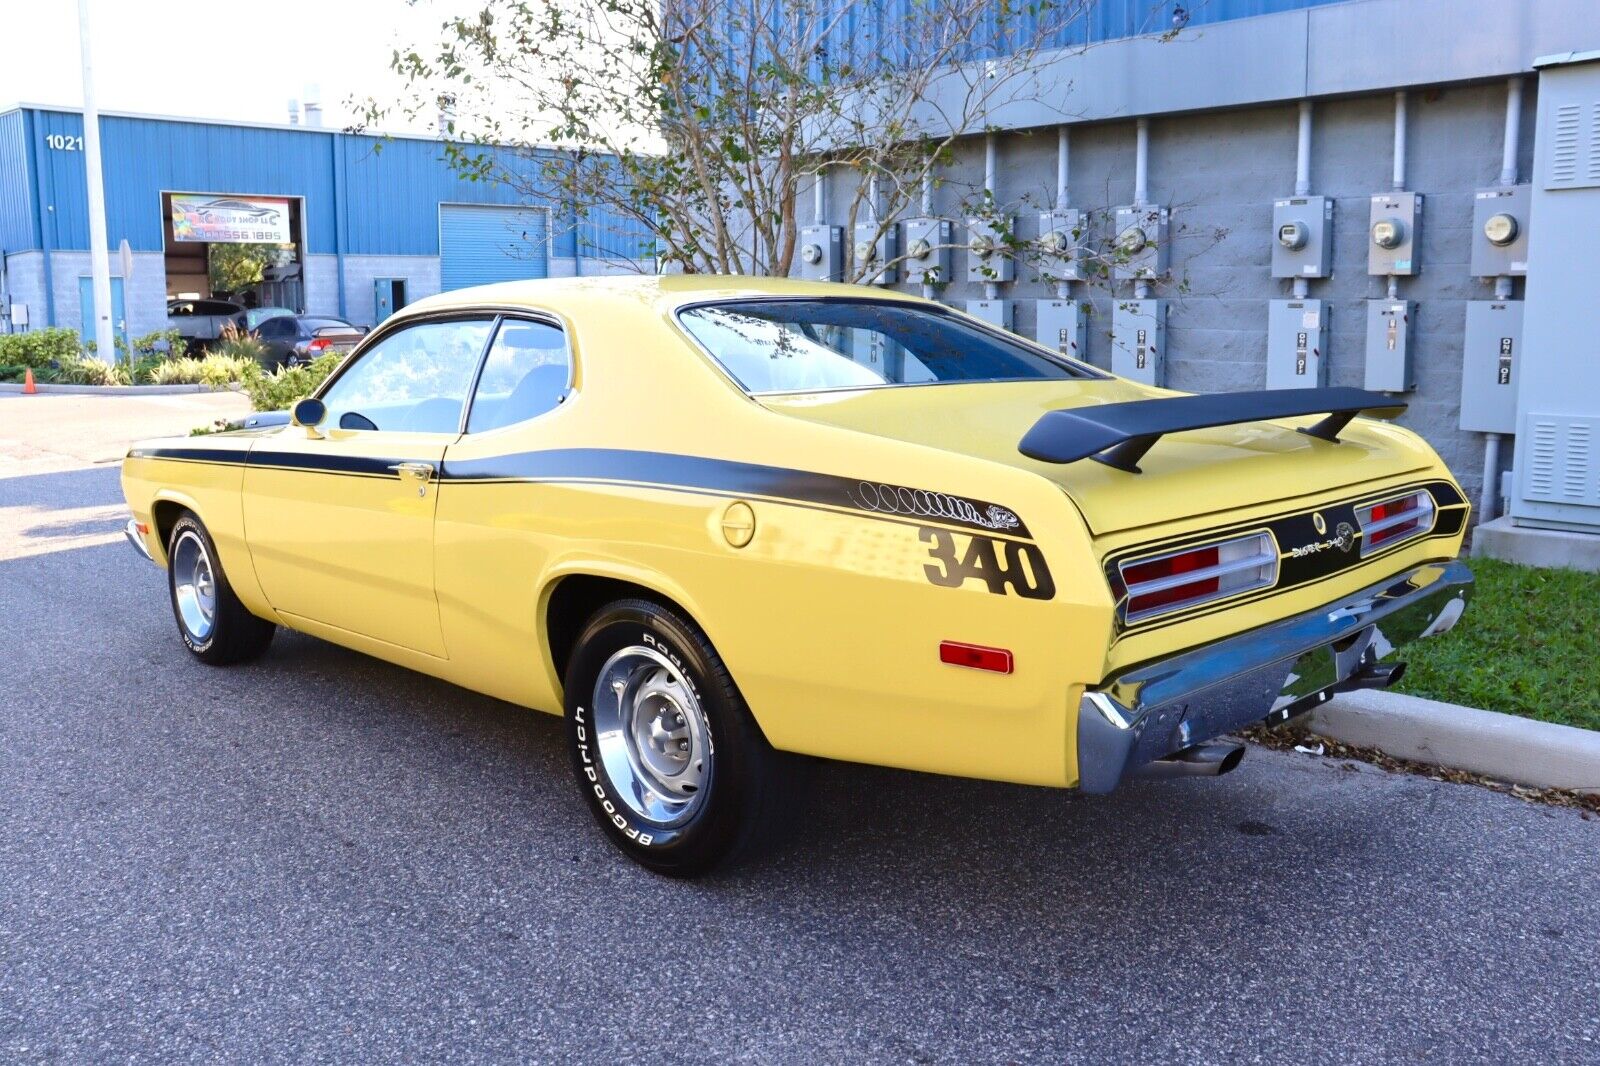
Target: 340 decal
<point>1003,565</point>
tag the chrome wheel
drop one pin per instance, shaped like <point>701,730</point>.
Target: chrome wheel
<point>194,585</point>
<point>652,736</point>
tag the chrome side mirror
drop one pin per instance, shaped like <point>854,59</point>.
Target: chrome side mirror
<point>309,414</point>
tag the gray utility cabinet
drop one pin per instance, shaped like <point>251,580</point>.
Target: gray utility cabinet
<point>1557,478</point>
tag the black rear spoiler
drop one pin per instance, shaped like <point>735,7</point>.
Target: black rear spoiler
<point>1118,434</point>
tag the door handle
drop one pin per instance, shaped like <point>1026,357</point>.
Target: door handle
<point>418,473</point>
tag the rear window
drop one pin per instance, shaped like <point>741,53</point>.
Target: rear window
<point>806,345</point>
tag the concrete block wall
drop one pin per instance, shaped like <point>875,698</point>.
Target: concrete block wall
<point>1219,172</point>
<point>420,271</point>
<point>144,294</point>
<point>24,284</point>
<point>320,275</point>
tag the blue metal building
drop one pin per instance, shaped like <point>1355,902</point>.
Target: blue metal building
<point>373,222</point>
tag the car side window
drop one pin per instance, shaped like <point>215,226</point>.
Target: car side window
<point>276,328</point>
<point>413,380</point>
<point>525,376</point>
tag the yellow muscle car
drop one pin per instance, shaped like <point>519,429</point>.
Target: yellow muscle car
<point>723,523</point>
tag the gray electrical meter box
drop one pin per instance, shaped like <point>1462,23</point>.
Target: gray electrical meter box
<point>1500,231</point>
<point>988,260</point>
<point>1394,234</point>
<point>1389,345</point>
<point>1060,244</point>
<point>871,254</point>
<point>994,312</point>
<point>1138,340</point>
<point>1059,325</point>
<point>1297,353</point>
<point>1141,243</point>
<point>1489,371</point>
<point>819,258</point>
<point>1302,237</point>
<point>927,252</point>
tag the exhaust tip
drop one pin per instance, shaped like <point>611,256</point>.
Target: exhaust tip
<point>1231,760</point>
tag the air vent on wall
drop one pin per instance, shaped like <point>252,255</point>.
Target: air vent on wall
<point>1574,146</point>
<point>1562,459</point>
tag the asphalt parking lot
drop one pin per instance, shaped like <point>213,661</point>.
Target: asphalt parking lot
<point>320,856</point>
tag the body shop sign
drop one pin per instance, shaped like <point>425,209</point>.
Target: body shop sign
<point>230,220</point>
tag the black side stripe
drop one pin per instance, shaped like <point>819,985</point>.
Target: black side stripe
<point>663,470</point>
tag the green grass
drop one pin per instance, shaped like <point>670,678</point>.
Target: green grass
<point>1529,644</point>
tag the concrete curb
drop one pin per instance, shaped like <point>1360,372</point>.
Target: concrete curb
<point>1516,750</point>
<point>115,390</point>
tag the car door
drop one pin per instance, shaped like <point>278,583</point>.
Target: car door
<point>340,518</point>
<point>278,334</point>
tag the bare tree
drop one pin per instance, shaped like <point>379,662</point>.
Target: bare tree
<point>691,133</point>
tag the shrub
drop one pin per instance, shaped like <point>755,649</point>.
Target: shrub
<point>220,369</point>
<point>282,389</point>
<point>176,372</point>
<point>237,345</point>
<point>80,370</point>
<point>146,345</point>
<point>39,348</point>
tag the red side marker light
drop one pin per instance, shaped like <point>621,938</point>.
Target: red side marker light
<point>975,656</point>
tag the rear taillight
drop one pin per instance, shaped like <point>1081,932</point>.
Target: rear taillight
<point>1198,575</point>
<point>317,344</point>
<point>1387,523</point>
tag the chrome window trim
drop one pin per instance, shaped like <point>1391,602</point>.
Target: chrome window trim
<point>1078,371</point>
<point>483,361</point>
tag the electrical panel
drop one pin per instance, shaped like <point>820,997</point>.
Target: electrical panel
<point>1138,340</point>
<point>1141,247</point>
<point>1500,231</point>
<point>1059,325</point>
<point>1297,352</point>
<point>987,258</point>
<point>994,312</point>
<point>1302,237</point>
<point>1491,348</point>
<point>1060,244</point>
<point>1389,367</point>
<point>928,242</point>
<point>819,258</point>
<point>871,254</point>
<point>1394,234</point>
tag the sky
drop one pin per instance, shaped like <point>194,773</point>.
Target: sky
<point>225,59</point>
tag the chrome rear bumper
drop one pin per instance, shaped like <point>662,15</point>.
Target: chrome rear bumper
<point>1163,707</point>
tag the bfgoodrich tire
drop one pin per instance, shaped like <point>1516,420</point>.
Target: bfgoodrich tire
<point>667,755</point>
<point>214,625</point>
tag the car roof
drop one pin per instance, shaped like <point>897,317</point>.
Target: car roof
<point>664,293</point>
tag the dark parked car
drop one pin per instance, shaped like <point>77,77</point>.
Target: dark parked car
<point>295,339</point>
<point>202,323</point>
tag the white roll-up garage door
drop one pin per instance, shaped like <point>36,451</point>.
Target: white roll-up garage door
<point>481,243</point>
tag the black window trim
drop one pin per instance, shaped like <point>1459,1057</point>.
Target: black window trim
<point>1081,370</point>
<point>520,316</point>
<point>495,315</point>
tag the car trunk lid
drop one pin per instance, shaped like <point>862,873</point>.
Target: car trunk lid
<point>1187,474</point>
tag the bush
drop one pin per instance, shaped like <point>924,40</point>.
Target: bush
<point>145,346</point>
<point>39,348</point>
<point>79,370</point>
<point>218,369</point>
<point>175,372</point>
<point>236,345</point>
<point>282,389</point>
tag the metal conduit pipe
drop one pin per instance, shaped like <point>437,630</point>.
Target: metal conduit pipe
<point>1510,148</point>
<point>1141,186</point>
<point>1399,178</point>
<point>819,199</point>
<point>1063,191</point>
<point>927,212</point>
<point>991,180</point>
<point>1302,179</point>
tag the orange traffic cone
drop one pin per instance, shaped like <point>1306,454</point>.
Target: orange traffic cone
<point>28,387</point>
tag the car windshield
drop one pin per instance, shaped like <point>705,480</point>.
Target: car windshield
<point>805,345</point>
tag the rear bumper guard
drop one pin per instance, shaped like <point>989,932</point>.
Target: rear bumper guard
<point>1276,671</point>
